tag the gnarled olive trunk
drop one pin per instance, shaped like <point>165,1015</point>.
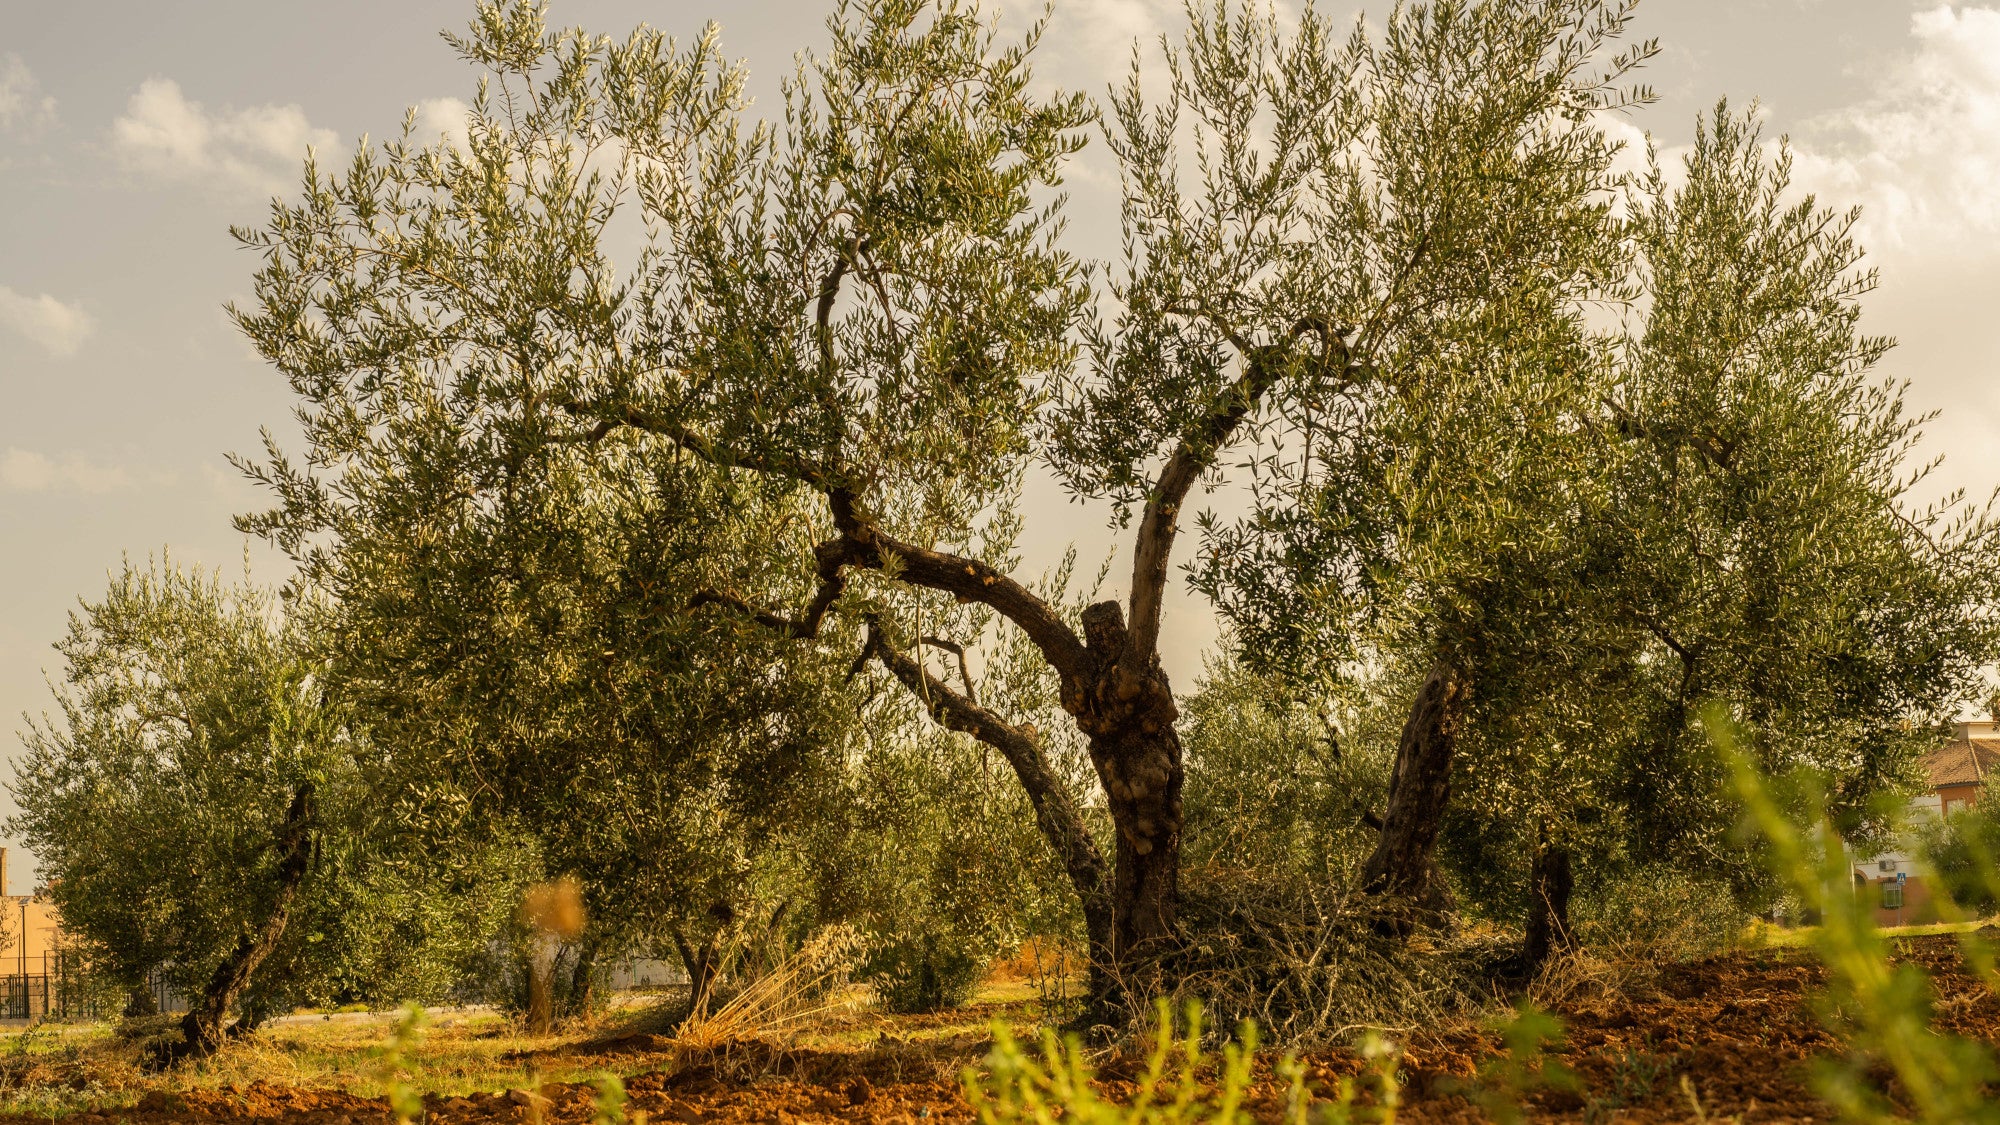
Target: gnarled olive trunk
<point>1129,719</point>
<point>576,1000</point>
<point>201,1028</point>
<point>1402,866</point>
<point>1550,883</point>
<point>1142,777</point>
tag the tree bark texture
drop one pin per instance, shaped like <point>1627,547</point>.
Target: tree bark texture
<point>201,1028</point>
<point>1129,718</point>
<point>1550,883</point>
<point>1401,866</point>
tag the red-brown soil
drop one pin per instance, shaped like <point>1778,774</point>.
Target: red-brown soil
<point>1741,1028</point>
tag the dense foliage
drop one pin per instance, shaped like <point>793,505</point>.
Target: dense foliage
<point>202,810</point>
<point>657,523</point>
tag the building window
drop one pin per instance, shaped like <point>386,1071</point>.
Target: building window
<point>1892,895</point>
<point>1886,865</point>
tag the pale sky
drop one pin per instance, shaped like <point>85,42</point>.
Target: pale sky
<point>133,133</point>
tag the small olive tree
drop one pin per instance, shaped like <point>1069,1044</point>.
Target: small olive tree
<point>176,804</point>
<point>203,807</point>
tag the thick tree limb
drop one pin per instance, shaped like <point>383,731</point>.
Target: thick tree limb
<point>863,543</point>
<point>967,579</point>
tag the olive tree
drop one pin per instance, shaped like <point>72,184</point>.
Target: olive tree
<point>533,669</point>
<point>1755,544</point>
<point>1713,506</point>
<point>866,310</point>
<point>176,803</point>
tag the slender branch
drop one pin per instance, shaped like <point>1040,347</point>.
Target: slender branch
<point>607,418</point>
<point>1665,637</point>
<point>833,558</point>
<point>829,292</point>
<point>964,671</point>
<point>863,544</point>
<point>1718,452</point>
<point>1055,812</point>
<point>1197,451</point>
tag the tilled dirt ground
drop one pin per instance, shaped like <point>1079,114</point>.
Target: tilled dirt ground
<point>1735,1032</point>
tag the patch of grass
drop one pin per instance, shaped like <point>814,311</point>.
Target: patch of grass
<point>1761,934</point>
<point>46,1071</point>
<point>50,1070</point>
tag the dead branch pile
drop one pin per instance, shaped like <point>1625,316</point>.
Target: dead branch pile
<point>1315,970</point>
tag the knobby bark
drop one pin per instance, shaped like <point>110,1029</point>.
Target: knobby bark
<point>1128,717</point>
<point>1402,866</point>
<point>1550,883</point>
<point>202,1028</point>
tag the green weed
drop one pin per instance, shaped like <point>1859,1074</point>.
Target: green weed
<point>1881,1009</point>
<point>406,1102</point>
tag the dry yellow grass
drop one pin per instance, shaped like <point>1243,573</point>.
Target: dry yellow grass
<point>49,1070</point>
<point>801,987</point>
<point>56,1070</point>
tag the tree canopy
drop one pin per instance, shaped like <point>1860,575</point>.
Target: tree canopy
<point>658,522</point>
<point>201,809</point>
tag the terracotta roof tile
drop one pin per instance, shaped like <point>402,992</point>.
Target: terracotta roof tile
<point>1965,762</point>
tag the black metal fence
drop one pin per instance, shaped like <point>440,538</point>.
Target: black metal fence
<point>57,987</point>
<point>165,998</point>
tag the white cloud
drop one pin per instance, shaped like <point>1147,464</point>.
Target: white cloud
<point>22,107</point>
<point>443,118</point>
<point>23,470</point>
<point>257,149</point>
<point>1922,152</point>
<point>57,328</point>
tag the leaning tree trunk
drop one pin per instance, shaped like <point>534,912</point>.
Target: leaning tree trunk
<point>1549,885</point>
<point>701,963</point>
<point>201,1028</point>
<point>1402,866</point>
<point>1056,814</point>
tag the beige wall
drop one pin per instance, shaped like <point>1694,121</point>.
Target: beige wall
<point>43,930</point>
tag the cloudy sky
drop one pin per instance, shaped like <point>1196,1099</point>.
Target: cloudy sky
<point>133,133</point>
